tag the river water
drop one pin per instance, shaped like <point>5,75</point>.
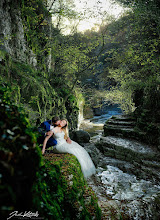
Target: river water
<point>110,110</point>
<point>121,193</point>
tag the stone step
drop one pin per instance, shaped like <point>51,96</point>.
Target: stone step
<point>128,144</point>
<point>124,126</point>
<point>131,156</point>
<point>127,150</point>
<point>123,118</point>
<point>124,131</point>
<point>119,122</point>
<point>152,164</point>
<point>119,126</point>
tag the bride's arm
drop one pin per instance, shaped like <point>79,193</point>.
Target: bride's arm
<point>45,142</point>
<point>68,140</point>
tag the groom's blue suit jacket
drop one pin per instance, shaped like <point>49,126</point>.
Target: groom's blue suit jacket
<point>46,126</point>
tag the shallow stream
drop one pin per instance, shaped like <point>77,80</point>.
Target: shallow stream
<point>120,192</point>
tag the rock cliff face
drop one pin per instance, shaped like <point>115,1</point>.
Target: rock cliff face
<point>12,38</point>
<point>26,42</point>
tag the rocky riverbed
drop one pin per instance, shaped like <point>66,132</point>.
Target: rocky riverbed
<point>127,182</point>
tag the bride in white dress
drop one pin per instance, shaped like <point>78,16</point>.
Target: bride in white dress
<point>61,134</point>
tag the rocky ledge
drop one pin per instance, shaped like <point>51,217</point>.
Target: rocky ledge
<point>122,142</point>
<point>128,167</point>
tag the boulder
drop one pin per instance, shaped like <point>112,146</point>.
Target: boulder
<point>97,111</point>
<point>80,136</point>
<point>94,153</point>
<point>88,113</point>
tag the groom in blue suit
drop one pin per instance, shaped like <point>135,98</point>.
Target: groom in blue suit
<point>45,127</point>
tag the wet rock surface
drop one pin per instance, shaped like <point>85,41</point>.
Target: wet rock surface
<point>127,182</point>
<point>123,126</point>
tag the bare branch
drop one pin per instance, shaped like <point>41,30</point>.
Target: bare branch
<point>52,5</point>
<point>42,19</point>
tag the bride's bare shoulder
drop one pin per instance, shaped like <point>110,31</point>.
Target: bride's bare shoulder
<point>56,129</point>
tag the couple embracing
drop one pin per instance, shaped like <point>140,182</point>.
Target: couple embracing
<point>57,136</point>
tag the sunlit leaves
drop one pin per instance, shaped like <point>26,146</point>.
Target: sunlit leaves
<point>132,56</point>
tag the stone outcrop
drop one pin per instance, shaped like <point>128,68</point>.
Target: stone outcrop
<point>12,33</point>
<point>122,126</point>
<point>80,136</point>
<point>123,143</point>
<point>129,127</point>
<point>128,169</point>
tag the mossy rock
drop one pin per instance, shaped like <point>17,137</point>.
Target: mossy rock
<point>70,197</point>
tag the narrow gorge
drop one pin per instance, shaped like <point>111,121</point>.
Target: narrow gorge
<point>127,182</point>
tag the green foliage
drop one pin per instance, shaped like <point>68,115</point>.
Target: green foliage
<point>132,60</point>
<point>46,90</point>
<point>36,21</point>
<point>42,93</point>
<point>41,98</point>
<point>60,188</point>
<point>129,65</point>
<point>17,148</point>
<point>50,88</point>
<point>49,192</point>
<point>55,187</point>
<point>71,58</point>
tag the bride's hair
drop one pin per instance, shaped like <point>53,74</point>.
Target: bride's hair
<point>65,129</point>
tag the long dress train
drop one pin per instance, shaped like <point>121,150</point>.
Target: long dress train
<point>74,148</point>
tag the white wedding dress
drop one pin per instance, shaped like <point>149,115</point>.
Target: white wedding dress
<point>74,148</point>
